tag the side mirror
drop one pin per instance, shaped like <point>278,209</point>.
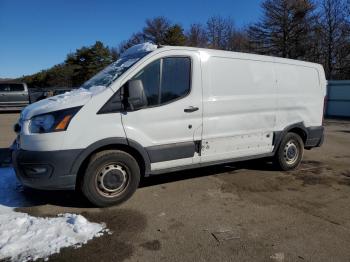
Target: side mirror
<point>134,95</point>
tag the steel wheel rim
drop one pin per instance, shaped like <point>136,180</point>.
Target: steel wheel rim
<point>291,152</point>
<point>115,172</point>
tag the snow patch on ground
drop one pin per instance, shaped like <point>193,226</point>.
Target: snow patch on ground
<point>24,237</point>
<point>140,48</point>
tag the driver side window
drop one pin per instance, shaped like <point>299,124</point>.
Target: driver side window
<point>150,76</point>
<point>166,80</point>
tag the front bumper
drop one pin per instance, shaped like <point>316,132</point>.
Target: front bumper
<point>48,170</point>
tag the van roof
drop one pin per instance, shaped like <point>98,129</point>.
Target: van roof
<point>232,54</point>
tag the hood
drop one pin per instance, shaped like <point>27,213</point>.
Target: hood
<point>77,97</point>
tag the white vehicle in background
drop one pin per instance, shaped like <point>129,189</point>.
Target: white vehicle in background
<point>157,110</point>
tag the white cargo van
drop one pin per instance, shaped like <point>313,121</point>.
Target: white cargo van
<point>161,109</point>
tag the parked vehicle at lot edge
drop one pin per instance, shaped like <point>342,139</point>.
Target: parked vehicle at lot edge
<point>157,110</point>
<point>13,95</point>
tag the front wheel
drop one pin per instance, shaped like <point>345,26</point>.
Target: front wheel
<point>111,177</point>
<point>290,152</point>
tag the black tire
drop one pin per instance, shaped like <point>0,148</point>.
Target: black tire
<point>111,177</point>
<point>290,152</point>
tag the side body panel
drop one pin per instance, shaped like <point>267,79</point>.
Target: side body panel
<point>301,92</point>
<point>239,108</point>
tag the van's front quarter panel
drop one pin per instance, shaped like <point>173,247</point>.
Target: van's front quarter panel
<point>85,128</point>
<point>88,127</point>
<point>46,161</point>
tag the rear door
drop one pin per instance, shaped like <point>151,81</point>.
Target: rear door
<point>172,122</point>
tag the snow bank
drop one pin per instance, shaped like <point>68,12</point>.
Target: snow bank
<point>140,48</point>
<point>24,237</point>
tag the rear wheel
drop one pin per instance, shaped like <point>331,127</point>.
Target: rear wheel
<point>111,178</point>
<point>290,152</point>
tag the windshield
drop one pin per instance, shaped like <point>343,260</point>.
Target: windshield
<point>113,71</point>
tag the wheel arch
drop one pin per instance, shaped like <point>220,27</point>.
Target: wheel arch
<point>299,131</point>
<point>298,128</point>
<point>126,145</point>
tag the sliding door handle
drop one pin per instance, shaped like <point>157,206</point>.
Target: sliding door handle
<point>191,109</point>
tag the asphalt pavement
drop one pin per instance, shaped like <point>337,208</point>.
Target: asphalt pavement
<point>244,211</point>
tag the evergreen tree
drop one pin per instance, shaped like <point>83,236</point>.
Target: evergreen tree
<point>284,29</point>
<point>78,67</point>
<point>156,29</point>
<point>174,36</point>
<point>87,61</point>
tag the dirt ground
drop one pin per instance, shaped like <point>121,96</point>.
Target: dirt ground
<point>238,212</point>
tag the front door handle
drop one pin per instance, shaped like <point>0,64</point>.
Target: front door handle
<point>191,109</point>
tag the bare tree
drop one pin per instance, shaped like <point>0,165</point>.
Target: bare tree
<point>197,36</point>
<point>238,41</point>
<point>284,28</point>
<point>335,36</point>
<point>156,29</point>
<point>135,39</point>
<point>219,30</point>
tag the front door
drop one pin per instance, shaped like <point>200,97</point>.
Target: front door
<point>172,122</point>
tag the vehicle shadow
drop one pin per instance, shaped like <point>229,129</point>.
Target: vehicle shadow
<point>5,157</point>
<point>13,194</point>
<point>215,170</point>
<point>344,131</point>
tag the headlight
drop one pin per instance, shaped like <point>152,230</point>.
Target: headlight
<point>42,123</point>
<point>53,121</point>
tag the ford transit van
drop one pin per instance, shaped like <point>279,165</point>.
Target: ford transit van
<point>162,109</point>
